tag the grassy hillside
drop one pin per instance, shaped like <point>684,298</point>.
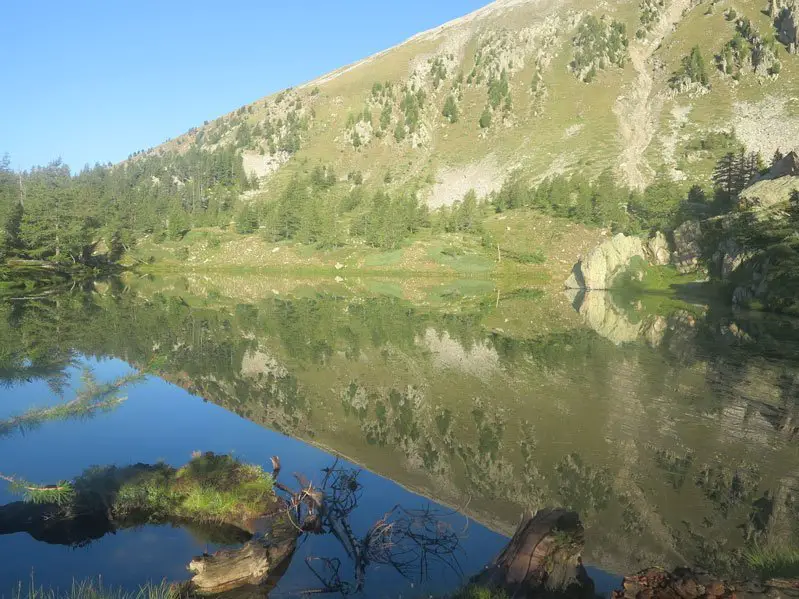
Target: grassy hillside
<point>600,116</point>
<point>515,60</point>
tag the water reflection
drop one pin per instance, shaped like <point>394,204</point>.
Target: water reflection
<point>670,428</point>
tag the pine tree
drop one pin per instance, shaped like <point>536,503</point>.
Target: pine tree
<point>776,158</point>
<point>451,109</point>
<point>485,118</point>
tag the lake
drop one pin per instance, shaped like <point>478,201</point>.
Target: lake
<point>669,424</point>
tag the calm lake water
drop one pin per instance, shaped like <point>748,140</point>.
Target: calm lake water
<point>670,426</point>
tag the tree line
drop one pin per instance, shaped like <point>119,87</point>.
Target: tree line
<point>48,213</point>
<point>663,205</point>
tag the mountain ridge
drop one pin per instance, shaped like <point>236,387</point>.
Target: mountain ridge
<point>531,36</point>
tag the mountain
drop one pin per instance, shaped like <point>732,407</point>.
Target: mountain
<point>540,86</point>
<point>508,139</point>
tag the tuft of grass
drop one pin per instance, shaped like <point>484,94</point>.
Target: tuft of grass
<point>473,591</point>
<point>91,589</point>
<point>774,563</point>
<point>210,488</point>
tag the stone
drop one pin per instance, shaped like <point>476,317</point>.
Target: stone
<point>728,257</point>
<point>601,267</point>
<point>657,250</point>
<point>687,247</point>
<point>339,266</point>
<point>786,23</point>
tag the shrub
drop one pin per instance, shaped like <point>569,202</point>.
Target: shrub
<point>485,118</point>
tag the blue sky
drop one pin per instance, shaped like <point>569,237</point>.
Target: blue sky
<point>94,81</point>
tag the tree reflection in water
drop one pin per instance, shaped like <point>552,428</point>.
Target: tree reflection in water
<point>408,540</point>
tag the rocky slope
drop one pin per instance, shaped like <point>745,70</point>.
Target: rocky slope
<point>542,85</point>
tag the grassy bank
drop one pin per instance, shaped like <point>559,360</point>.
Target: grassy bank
<point>523,244</point>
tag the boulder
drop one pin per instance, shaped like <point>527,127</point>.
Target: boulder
<point>728,257</point>
<point>786,21</point>
<point>768,193</point>
<point>600,268</point>
<point>657,250</point>
<point>687,247</point>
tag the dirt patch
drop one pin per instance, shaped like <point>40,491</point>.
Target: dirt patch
<point>455,182</point>
<point>639,106</point>
<point>263,165</point>
<point>669,142</point>
<point>767,126</point>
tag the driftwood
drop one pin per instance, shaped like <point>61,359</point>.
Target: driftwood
<point>542,558</point>
<point>251,565</point>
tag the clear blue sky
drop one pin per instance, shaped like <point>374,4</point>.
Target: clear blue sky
<point>93,81</point>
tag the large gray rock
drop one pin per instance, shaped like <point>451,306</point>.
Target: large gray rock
<point>773,189</point>
<point>728,257</point>
<point>602,266</point>
<point>687,247</point>
<point>657,250</point>
<point>786,21</point>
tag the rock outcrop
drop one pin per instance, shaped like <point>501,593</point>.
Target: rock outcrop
<point>602,266</point>
<point>687,247</point>
<point>773,188</point>
<point>786,21</point>
<point>657,250</point>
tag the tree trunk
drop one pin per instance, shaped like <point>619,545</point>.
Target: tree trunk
<point>251,565</point>
<point>543,555</point>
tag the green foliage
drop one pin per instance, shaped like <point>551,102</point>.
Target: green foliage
<point>89,400</point>
<point>601,202</point>
<point>464,216</point>
<point>649,15</point>
<point>732,174</point>
<point>247,219</point>
<point>388,220</point>
<point>478,592</point>
<point>48,213</point>
<point>774,563</point>
<point>210,488</point>
<point>60,494</point>
<point>748,50</point>
<point>485,118</point>
<point>355,177</point>
<point>692,69</point>
<point>438,70</point>
<point>450,110</point>
<point>498,90</point>
<point>385,117</point>
<point>599,43</point>
<point>400,132</point>
<point>90,589</point>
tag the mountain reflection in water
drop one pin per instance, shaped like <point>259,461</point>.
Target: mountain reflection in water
<point>672,432</point>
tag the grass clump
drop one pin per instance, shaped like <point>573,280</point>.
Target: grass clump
<point>210,488</point>
<point>473,591</point>
<point>91,589</point>
<point>774,563</point>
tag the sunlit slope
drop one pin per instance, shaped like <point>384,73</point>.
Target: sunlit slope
<point>535,85</point>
